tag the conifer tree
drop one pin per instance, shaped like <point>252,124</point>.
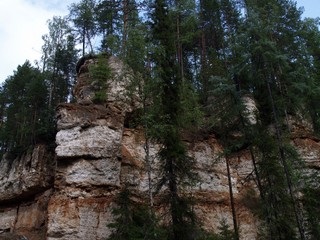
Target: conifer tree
<point>24,110</point>
<point>83,17</point>
<point>133,221</point>
<point>108,20</point>
<point>311,204</point>
<point>223,49</point>
<point>176,166</point>
<point>311,35</point>
<point>116,21</point>
<point>59,60</point>
<point>275,64</point>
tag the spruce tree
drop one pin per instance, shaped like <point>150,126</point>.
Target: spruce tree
<point>311,35</point>
<point>276,66</point>
<point>133,221</point>
<point>176,166</point>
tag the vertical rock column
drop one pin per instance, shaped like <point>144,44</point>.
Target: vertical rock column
<point>88,159</point>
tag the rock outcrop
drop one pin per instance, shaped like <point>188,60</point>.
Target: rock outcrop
<point>70,195</point>
<point>88,158</point>
<point>25,188</point>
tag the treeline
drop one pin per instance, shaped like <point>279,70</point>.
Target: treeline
<point>196,64</point>
<point>28,98</point>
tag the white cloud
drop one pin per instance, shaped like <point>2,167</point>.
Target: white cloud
<point>22,23</point>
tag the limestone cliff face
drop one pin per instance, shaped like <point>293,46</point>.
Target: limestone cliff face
<point>25,188</point>
<point>70,195</point>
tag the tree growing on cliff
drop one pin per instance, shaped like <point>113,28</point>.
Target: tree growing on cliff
<point>83,17</point>
<point>311,204</point>
<point>311,33</point>
<point>109,25</point>
<point>100,74</point>
<point>221,49</point>
<point>59,60</point>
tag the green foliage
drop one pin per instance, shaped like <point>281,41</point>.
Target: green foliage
<point>100,74</point>
<point>311,33</point>
<point>190,115</point>
<point>59,60</point>
<point>133,221</point>
<point>277,204</point>
<point>178,53</point>
<point>25,118</point>
<point>109,24</point>
<point>311,204</point>
<point>224,106</point>
<point>169,105</point>
<point>224,233</point>
<point>83,17</point>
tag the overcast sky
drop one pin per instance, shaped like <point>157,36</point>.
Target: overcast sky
<point>23,22</point>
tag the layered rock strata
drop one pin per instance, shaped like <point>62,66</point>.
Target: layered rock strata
<point>71,195</point>
<point>96,155</point>
<point>25,189</point>
<point>88,158</point>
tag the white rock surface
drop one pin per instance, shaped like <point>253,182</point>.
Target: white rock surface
<point>7,218</point>
<point>26,175</point>
<point>251,109</point>
<point>101,172</point>
<point>74,219</point>
<point>96,156</point>
<point>95,142</point>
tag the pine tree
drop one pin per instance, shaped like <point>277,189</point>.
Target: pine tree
<point>108,20</point>
<point>117,20</point>
<point>311,35</point>
<point>59,59</point>
<point>311,205</point>
<point>83,17</point>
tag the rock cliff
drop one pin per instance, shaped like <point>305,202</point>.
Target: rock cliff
<point>69,194</point>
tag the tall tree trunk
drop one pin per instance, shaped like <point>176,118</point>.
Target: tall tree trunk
<point>251,150</point>
<point>148,160</point>
<point>83,41</point>
<point>174,201</point>
<point>89,42</point>
<point>53,83</point>
<point>125,6</point>
<point>179,48</point>
<point>203,57</point>
<point>233,208</point>
<point>297,213</point>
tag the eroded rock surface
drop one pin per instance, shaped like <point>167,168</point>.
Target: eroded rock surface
<point>71,196</point>
<point>89,147</point>
<point>26,175</point>
<point>26,218</point>
<point>25,188</point>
